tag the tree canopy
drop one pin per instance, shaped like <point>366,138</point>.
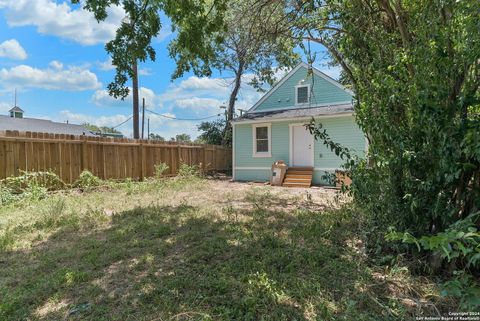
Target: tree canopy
<point>415,70</point>
<point>133,41</point>
<point>247,43</point>
<point>211,132</point>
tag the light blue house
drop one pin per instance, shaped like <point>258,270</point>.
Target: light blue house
<point>273,129</point>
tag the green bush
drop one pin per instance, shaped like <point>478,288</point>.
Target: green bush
<point>189,171</point>
<point>160,170</point>
<point>87,180</point>
<point>47,180</point>
<point>7,196</point>
<point>458,245</point>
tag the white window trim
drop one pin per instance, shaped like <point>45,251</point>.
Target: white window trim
<point>254,136</point>
<point>296,94</point>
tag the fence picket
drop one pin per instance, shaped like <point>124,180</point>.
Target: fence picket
<point>107,158</point>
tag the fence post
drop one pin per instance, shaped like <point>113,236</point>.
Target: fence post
<point>179,153</point>
<point>143,162</point>
<point>214,158</point>
<point>84,154</point>
<point>205,158</point>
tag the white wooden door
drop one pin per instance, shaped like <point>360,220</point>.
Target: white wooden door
<point>301,151</point>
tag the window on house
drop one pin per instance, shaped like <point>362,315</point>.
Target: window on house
<point>261,141</point>
<point>302,94</point>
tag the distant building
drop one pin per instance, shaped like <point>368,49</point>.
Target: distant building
<point>16,112</point>
<point>16,121</point>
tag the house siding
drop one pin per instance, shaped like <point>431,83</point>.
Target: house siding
<point>342,129</point>
<point>323,93</point>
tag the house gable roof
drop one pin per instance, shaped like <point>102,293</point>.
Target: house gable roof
<point>332,92</point>
<point>16,109</point>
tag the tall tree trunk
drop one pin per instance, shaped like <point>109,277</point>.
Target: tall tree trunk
<point>136,131</point>
<point>227,137</point>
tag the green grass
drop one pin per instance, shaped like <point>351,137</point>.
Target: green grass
<point>192,249</point>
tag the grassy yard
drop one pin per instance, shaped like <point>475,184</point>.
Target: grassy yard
<point>194,249</point>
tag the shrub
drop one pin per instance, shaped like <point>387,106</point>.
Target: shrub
<point>6,195</point>
<point>27,180</point>
<point>189,171</point>
<point>87,180</point>
<point>458,244</point>
<point>160,170</point>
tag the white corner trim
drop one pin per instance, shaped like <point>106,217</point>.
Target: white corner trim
<point>256,154</point>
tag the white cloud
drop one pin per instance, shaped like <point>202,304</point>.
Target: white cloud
<point>56,65</point>
<point>59,19</point>
<point>164,33</point>
<point>101,98</point>
<point>145,72</point>
<point>159,125</point>
<point>13,50</point>
<point>197,103</point>
<point>203,96</point>
<point>106,65</point>
<point>4,107</point>
<point>56,77</point>
<point>78,118</point>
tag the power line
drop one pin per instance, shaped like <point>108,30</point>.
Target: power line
<point>123,122</point>
<point>175,118</point>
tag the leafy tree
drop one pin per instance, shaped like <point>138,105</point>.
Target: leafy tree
<point>103,129</point>
<point>415,70</point>
<point>156,137</point>
<point>212,132</point>
<point>246,44</point>
<point>182,138</point>
<point>133,39</point>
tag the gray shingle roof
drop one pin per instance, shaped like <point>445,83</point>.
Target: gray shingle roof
<point>41,126</point>
<point>16,109</point>
<point>296,113</point>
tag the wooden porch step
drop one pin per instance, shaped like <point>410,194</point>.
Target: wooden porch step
<point>298,177</point>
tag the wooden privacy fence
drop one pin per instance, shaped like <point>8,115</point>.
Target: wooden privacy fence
<point>107,158</point>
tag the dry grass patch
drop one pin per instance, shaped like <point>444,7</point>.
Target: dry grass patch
<point>194,249</point>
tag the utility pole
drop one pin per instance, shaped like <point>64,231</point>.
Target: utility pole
<point>143,116</point>
<point>148,128</point>
<point>136,134</point>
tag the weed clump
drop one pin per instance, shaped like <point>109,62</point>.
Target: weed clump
<point>87,180</point>
<point>28,180</point>
<point>160,170</point>
<point>189,171</point>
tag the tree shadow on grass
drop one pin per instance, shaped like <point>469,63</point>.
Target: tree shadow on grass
<point>180,263</point>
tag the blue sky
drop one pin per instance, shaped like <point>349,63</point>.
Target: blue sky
<point>53,54</point>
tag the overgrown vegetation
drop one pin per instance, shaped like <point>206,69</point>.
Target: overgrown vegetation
<point>190,248</point>
<point>87,180</point>
<point>160,170</point>
<point>415,71</point>
<point>28,186</point>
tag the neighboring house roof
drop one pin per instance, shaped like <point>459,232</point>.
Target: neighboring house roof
<point>42,126</point>
<point>296,113</point>
<point>16,109</point>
